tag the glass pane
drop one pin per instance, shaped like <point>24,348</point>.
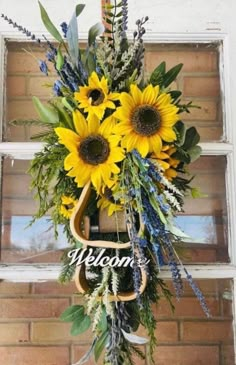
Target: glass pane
<point>199,81</point>
<point>21,243</point>
<point>205,218</point>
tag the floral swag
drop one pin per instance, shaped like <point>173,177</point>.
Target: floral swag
<point>114,142</point>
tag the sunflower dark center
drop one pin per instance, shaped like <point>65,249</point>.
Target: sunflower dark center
<point>146,120</point>
<point>108,195</point>
<point>94,149</point>
<point>96,96</point>
<point>69,206</point>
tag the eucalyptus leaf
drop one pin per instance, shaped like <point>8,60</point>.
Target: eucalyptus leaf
<point>181,132</point>
<point>79,8</point>
<point>47,114</point>
<point>73,40</point>
<point>60,59</point>
<point>73,312</point>
<point>138,340</point>
<point>49,25</point>
<point>171,75</point>
<point>191,139</point>
<point>80,325</point>
<point>94,32</point>
<point>182,155</point>
<point>100,345</point>
<point>67,104</point>
<point>194,153</point>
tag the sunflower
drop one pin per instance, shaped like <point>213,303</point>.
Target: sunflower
<point>94,151</point>
<point>67,206</point>
<point>95,97</point>
<point>168,163</point>
<point>108,202</point>
<point>146,118</point>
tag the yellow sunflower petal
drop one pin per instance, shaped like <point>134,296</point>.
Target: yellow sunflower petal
<point>150,94</point>
<point>143,146</point>
<point>136,94</point>
<point>167,134</point>
<point>93,124</point>
<point>69,138</point>
<point>127,102</point>
<point>80,124</point>
<point>155,143</point>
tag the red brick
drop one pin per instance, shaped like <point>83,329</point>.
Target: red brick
<point>11,333</point>
<point>54,288</point>
<point>41,86</point>
<point>208,110</point>
<point>13,288</point>
<point>33,355</point>
<point>187,355</point>
<point>21,62</point>
<point>193,61</point>
<point>16,86</point>
<point>186,307</point>
<point>228,357</point>
<point>208,331</point>
<point>165,332</point>
<point>201,86</point>
<point>20,109</point>
<point>32,308</point>
<point>57,332</point>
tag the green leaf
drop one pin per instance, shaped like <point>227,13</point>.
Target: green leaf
<point>94,32</point>
<point>28,122</point>
<point>194,153</point>
<point>49,25</point>
<point>47,114</point>
<point>79,8</point>
<point>171,75</point>
<point>191,139</point>
<point>60,59</point>
<point>73,40</point>
<point>175,94</point>
<point>72,313</point>
<point>100,345</point>
<point>182,155</point>
<point>180,131</point>
<point>157,75</point>
<point>41,135</point>
<point>68,104</point>
<point>80,325</point>
<point>102,325</point>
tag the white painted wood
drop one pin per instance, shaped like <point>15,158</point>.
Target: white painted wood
<point>26,151</point>
<point>44,272</point>
<point>27,14</point>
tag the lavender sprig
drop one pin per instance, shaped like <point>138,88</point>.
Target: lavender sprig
<point>25,31</point>
<point>198,293</point>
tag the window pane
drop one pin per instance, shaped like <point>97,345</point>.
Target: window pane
<point>198,80</point>
<point>19,242</point>
<point>205,218</point>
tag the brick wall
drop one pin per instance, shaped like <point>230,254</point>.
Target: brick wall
<point>32,334</point>
<point>30,331</point>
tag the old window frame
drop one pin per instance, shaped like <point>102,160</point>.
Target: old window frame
<point>217,27</point>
